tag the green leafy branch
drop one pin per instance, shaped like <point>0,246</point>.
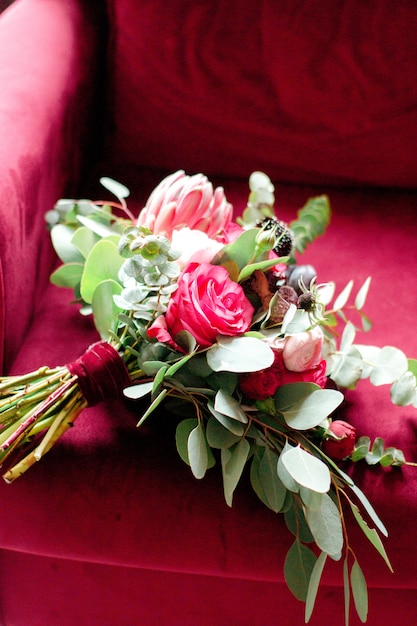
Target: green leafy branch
<point>312,220</point>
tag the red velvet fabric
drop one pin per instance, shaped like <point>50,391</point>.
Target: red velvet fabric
<point>48,55</point>
<point>311,92</point>
<point>111,527</point>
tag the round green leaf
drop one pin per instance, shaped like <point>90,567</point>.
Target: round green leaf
<point>239,354</point>
<point>307,470</point>
<point>68,275</point>
<point>403,391</point>
<point>304,406</point>
<point>103,263</point>
<point>104,309</point>
<point>391,364</point>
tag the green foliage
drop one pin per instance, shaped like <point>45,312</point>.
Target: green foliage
<point>239,354</point>
<point>305,405</point>
<point>312,221</point>
<point>298,567</point>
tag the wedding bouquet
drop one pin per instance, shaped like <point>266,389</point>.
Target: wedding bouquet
<point>217,321</point>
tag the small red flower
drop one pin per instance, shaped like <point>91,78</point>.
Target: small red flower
<point>342,447</point>
<point>263,384</point>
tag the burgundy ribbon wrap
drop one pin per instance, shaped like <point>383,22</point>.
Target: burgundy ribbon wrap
<point>101,373</point>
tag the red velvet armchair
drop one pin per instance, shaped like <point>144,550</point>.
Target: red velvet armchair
<point>111,528</point>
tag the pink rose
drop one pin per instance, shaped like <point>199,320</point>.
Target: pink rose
<point>342,447</point>
<point>207,303</point>
<point>180,201</point>
<point>302,351</point>
<point>316,375</point>
<point>263,384</point>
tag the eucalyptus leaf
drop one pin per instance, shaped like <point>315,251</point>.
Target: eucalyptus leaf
<point>371,534</point>
<point>84,240</point>
<point>370,356</point>
<point>390,366</point>
<point>68,275</point>
<point>346,589</point>
<point>135,392</point>
<point>298,567</point>
<point>326,527</point>
<point>306,469</point>
<point>304,405</point>
<point>286,478</point>
<point>343,297</point>
<point>295,321</point>
<point>272,485</point>
<point>295,520</point>
<point>362,293</point>
<point>233,462</point>
<point>362,447</point>
<point>347,368</point>
<point>116,188</point>
<point>158,379</point>
<point>232,425</point>
<point>255,480</point>
<point>403,391</point>
<point>197,451</point>
<point>229,406</point>
<point>311,499</point>
<point>103,263</point>
<point>359,591</point>
<point>348,337</point>
<point>104,309</point>
<point>61,237</point>
<point>173,369</point>
<point>182,433</point>
<point>365,502</point>
<point>377,451</point>
<point>155,403</point>
<point>239,354</point>
<point>99,228</point>
<point>313,585</point>
<point>218,436</point>
<point>151,368</point>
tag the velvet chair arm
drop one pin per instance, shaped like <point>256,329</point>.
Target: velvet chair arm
<point>49,54</point>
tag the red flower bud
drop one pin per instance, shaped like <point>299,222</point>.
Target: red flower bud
<point>342,447</point>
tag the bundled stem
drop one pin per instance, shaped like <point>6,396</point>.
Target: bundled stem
<point>35,410</point>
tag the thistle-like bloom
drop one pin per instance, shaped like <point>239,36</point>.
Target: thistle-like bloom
<point>186,201</point>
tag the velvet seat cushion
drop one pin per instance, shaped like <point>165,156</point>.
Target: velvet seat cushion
<point>111,494</point>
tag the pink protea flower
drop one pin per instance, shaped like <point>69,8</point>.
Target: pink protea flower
<point>186,201</point>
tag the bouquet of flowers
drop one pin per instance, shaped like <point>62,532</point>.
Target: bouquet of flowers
<point>215,320</point>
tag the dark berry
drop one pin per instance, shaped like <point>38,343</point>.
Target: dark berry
<point>306,301</point>
<point>298,273</point>
<point>283,234</point>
